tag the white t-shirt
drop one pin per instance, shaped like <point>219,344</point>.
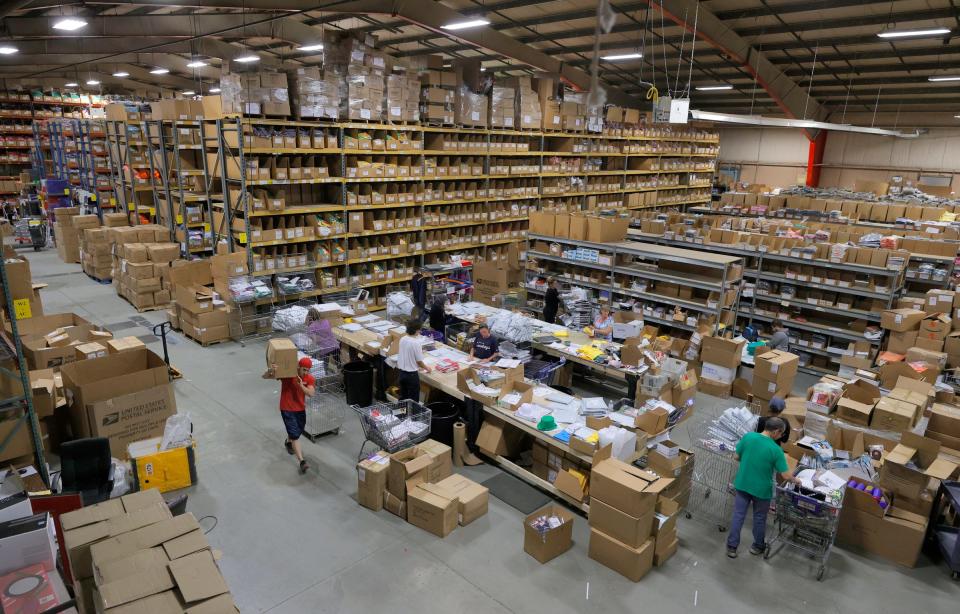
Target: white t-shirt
<point>411,351</point>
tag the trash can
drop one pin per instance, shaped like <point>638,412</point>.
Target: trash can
<point>443,415</point>
<point>358,383</point>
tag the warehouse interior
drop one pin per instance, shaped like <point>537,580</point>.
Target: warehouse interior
<point>491,305</point>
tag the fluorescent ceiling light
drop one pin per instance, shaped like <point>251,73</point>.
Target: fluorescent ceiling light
<point>943,78</point>
<point>314,47</point>
<point>759,120</point>
<point>621,56</point>
<point>7,50</point>
<point>93,82</point>
<point>121,74</point>
<point>69,24</point>
<point>196,64</point>
<point>189,93</point>
<point>463,25</point>
<point>910,33</point>
<point>956,116</point>
<point>214,90</point>
<point>71,84</point>
<point>159,71</point>
<point>246,59</point>
<point>713,88</point>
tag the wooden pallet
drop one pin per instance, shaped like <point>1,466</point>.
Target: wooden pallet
<point>174,372</point>
<point>106,281</point>
<point>208,343</point>
<point>146,309</point>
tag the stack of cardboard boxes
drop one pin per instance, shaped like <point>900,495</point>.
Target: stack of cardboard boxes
<point>547,96</point>
<point>418,485</point>
<point>437,92</point>
<point>403,98</point>
<point>141,270</point>
<point>491,279</point>
<point>773,374</point>
<point>96,253</point>
<point>625,532</point>
<point>24,294</point>
<point>253,93</point>
<point>315,93</point>
<point>67,236</point>
<point>719,359</point>
<point>132,555</point>
<point>199,311</point>
<point>364,69</point>
<point>502,106</point>
<point>526,104</point>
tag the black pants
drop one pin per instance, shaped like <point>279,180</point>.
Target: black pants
<point>550,317</point>
<point>410,385</point>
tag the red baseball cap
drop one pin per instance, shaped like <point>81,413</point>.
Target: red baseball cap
<point>305,362</point>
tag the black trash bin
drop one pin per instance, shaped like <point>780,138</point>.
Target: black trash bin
<point>358,383</point>
<point>442,416</point>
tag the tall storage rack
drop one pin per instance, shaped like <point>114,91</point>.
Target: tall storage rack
<point>821,338</point>
<point>135,173</point>
<point>719,276</point>
<point>411,195</point>
<point>16,402</point>
<point>79,155</point>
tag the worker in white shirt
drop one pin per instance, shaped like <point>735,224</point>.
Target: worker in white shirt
<point>410,361</point>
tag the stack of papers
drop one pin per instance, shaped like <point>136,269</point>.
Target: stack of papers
<point>507,363</point>
<point>351,327</point>
<point>531,412</point>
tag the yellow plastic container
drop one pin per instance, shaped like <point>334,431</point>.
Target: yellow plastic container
<point>165,470</point>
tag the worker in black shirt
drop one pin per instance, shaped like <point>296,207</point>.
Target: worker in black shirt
<point>485,347</point>
<point>777,405</point>
<point>551,301</point>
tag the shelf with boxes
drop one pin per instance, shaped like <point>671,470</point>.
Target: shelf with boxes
<point>826,295</point>
<point>678,288</point>
<point>19,108</point>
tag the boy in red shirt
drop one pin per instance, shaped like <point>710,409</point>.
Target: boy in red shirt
<point>293,405</point>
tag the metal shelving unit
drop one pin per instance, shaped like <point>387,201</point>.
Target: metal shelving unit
<point>719,275</point>
<point>18,397</point>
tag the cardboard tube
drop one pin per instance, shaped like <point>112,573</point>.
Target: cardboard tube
<point>461,453</point>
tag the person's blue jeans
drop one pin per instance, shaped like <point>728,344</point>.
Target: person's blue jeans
<point>760,509</point>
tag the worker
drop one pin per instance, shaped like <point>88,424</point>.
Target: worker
<point>410,361</point>
<point>438,316</point>
<point>603,324</point>
<point>551,301</point>
<point>760,457</point>
<point>418,291</point>
<point>777,405</point>
<point>779,340</point>
<point>293,405</point>
<point>485,347</point>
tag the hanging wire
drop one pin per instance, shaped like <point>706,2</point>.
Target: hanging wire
<point>756,71</point>
<point>813,68</point>
<point>875,105</point>
<point>846,99</point>
<point>693,49</point>
<point>663,47</point>
<point>683,39</point>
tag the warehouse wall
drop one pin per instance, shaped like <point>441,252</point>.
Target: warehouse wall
<point>777,157</point>
<point>774,157</point>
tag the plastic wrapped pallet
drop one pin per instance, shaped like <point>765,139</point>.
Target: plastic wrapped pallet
<point>403,96</point>
<point>316,92</point>
<point>502,107</point>
<point>470,108</point>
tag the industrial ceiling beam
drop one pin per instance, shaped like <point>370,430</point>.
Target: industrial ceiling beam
<point>127,26</point>
<point>433,15</point>
<point>786,8</point>
<point>100,46</point>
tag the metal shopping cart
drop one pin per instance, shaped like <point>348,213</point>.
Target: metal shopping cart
<point>805,523</point>
<point>542,371</point>
<point>394,426</point>
<point>715,437</point>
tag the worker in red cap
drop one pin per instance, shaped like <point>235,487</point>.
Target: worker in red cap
<point>293,405</point>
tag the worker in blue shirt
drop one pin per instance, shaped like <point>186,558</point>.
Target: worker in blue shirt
<point>485,347</point>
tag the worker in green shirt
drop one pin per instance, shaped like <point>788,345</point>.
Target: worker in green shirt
<point>760,457</point>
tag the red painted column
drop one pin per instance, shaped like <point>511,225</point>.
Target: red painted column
<point>814,158</point>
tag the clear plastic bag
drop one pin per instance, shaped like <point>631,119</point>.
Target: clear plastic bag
<point>177,432</point>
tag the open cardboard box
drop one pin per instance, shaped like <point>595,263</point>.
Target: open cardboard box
<point>470,374</point>
<point>925,453</point>
<point>856,403</point>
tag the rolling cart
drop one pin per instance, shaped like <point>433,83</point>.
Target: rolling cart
<point>806,524</point>
<point>394,426</point>
<point>945,528</point>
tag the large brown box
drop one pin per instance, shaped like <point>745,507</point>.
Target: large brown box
<point>632,563</point>
<point>551,543</point>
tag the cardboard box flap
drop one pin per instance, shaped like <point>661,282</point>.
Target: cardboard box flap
<point>92,514</point>
<point>144,583</point>
<point>198,577</point>
<point>132,565</point>
<point>179,547</point>
<point>221,604</point>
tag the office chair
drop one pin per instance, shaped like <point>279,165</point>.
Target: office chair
<point>86,468</point>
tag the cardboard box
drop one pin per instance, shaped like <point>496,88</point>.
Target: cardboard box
<point>432,508</point>
<point>441,465</point>
<point>632,563</point>
<point>907,481</point>
<point>722,352</point>
<point>124,344</point>
<point>473,499</point>
<point>407,469</point>
<point>496,438</point>
<point>552,542</point>
<point>283,354</point>
<point>901,320</point>
<point>28,541</point>
<point>776,365</point>
<point>897,537</point>
<point>372,480</point>
<point>619,525</point>
<point>893,415</point>
<point>629,489</point>
<point>90,350</point>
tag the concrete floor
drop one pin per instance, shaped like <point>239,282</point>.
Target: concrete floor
<point>295,543</point>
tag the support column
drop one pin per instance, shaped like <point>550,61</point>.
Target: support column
<point>815,158</point>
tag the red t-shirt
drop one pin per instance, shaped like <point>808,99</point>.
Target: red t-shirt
<point>291,395</point>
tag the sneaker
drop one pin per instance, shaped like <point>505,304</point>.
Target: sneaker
<point>731,553</point>
<point>757,550</point>
<point>303,467</point>
<point>289,445</point>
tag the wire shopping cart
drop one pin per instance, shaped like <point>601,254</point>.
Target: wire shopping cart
<point>715,437</point>
<point>542,371</point>
<point>806,524</point>
<point>394,426</point>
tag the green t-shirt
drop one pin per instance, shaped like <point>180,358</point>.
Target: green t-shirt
<point>759,456</point>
